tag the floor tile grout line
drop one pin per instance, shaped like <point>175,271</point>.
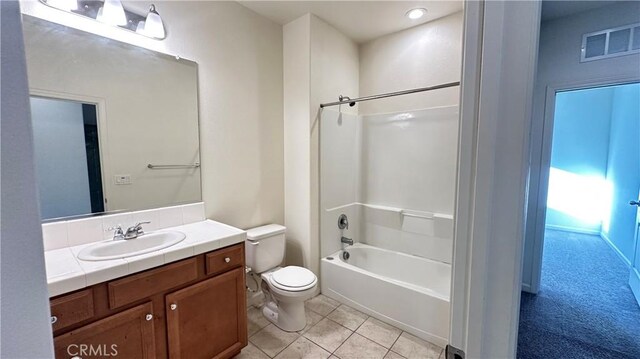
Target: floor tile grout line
<point>262,351</point>
<point>352,330</point>
<point>318,344</point>
<point>341,344</point>
<point>280,350</point>
<point>395,341</point>
<point>288,345</point>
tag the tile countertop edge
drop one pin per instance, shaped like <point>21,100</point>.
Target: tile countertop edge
<point>75,280</point>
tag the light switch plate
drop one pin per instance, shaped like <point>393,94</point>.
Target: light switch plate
<point>122,179</point>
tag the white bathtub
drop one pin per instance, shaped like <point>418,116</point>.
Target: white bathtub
<point>407,291</point>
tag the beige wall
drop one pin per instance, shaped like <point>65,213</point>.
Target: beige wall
<point>319,63</point>
<point>240,96</point>
<point>297,171</point>
<point>425,55</point>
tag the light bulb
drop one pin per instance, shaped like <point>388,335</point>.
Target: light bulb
<point>112,13</point>
<point>66,5</point>
<point>415,14</point>
<point>153,25</point>
<point>140,27</point>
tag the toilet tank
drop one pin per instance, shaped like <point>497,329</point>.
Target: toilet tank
<point>264,247</point>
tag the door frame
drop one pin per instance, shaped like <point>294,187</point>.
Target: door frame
<point>542,176</point>
<point>494,151</point>
<point>103,133</point>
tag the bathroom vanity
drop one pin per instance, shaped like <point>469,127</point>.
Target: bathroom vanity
<point>191,308</point>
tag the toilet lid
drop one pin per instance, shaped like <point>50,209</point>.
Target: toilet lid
<point>293,277</point>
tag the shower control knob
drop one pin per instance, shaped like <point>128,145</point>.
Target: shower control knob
<point>343,222</point>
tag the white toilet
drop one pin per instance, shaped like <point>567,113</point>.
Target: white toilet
<point>285,289</point>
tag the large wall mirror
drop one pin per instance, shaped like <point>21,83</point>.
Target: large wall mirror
<point>115,126</point>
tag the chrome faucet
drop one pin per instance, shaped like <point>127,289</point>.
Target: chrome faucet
<point>118,234</point>
<point>346,240</point>
<point>135,231</point>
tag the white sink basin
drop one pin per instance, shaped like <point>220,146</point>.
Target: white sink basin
<point>146,243</point>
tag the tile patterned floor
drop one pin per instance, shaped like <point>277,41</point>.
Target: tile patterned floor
<point>333,331</point>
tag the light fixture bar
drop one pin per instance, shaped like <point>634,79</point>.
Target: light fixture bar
<point>90,8</point>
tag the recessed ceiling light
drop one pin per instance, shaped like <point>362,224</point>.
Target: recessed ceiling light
<point>415,14</point>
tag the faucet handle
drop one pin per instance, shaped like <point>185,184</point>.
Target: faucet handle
<point>118,233</point>
<point>343,222</point>
<point>117,228</point>
<point>139,224</point>
<point>138,227</point>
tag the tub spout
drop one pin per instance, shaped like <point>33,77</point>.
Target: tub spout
<point>346,240</point>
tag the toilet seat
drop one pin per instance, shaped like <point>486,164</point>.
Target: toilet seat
<point>293,279</point>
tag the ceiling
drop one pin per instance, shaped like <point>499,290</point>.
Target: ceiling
<point>362,21</point>
<point>556,9</point>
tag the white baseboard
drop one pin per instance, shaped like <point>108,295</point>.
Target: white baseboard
<point>615,249</point>
<point>573,229</point>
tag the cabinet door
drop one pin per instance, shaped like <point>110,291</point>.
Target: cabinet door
<point>208,319</point>
<point>128,334</point>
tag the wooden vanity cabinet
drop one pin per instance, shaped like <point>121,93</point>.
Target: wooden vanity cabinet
<point>209,312</point>
<point>128,334</point>
<point>179,310</point>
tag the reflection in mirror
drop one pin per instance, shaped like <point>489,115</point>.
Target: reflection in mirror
<point>67,155</point>
<point>115,125</point>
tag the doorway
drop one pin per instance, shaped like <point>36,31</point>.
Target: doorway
<point>67,149</point>
<point>585,306</point>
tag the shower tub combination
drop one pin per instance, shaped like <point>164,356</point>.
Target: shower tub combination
<point>410,292</point>
<point>392,175</point>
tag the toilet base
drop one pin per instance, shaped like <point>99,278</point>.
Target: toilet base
<point>289,317</point>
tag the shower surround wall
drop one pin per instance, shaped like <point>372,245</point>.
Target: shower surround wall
<point>320,63</point>
<point>424,55</point>
<point>393,175</point>
<point>399,155</point>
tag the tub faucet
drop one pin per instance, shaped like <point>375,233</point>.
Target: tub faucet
<point>346,240</point>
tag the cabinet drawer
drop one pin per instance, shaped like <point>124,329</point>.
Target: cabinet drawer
<point>140,286</point>
<point>71,309</point>
<point>225,259</point>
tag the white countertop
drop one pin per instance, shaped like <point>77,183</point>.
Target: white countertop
<point>66,273</point>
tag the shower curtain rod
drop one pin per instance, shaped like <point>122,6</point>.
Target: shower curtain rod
<point>352,102</point>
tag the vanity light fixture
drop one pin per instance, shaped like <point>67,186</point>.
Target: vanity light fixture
<point>111,12</point>
<point>415,14</point>
<point>152,26</point>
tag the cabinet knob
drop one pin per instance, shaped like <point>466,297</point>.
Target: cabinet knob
<point>227,259</point>
<point>54,319</point>
<point>173,306</point>
<point>148,317</point>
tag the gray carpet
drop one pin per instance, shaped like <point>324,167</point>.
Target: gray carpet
<point>584,308</point>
